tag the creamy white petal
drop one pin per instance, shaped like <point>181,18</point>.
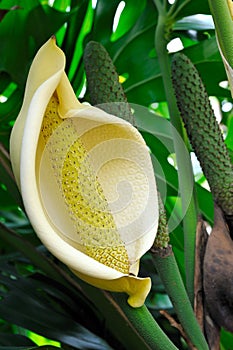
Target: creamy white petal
<point>86,179</point>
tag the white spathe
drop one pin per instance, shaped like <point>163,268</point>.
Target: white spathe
<point>86,180</point>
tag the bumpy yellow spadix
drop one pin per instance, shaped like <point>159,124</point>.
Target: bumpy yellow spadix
<point>86,180</point>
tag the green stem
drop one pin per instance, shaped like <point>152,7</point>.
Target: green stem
<point>185,174</point>
<point>174,11</point>
<point>167,268</point>
<point>224,27</point>
<point>146,326</point>
<point>134,327</point>
<point>159,5</point>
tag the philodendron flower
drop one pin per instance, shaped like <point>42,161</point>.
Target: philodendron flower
<point>86,180</point>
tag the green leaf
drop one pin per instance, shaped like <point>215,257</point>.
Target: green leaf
<point>76,32</point>
<point>19,45</point>
<point>103,20</point>
<point>144,85</point>
<point>195,22</point>
<point>52,20</point>
<point>229,138</point>
<point>13,340</point>
<point>8,187</point>
<point>72,34</point>
<point>207,60</point>
<point>188,8</point>
<point>129,15</point>
<point>46,347</point>
<point>13,43</point>
<point>23,246</point>
<point>36,301</point>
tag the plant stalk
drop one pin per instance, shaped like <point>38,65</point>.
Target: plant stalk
<point>185,173</point>
<point>142,320</point>
<point>221,13</point>
<point>167,268</point>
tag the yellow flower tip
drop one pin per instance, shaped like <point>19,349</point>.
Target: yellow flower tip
<point>86,179</point>
<point>136,288</point>
<point>139,291</point>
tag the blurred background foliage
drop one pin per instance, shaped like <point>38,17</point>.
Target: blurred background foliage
<point>41,304</point>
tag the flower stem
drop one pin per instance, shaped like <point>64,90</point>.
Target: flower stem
<point>134,327</point>
<point>146,326</point>
<point>174,11</point>
<point>167,268</point>
<point>224,27</point>
<point>185,174</point>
